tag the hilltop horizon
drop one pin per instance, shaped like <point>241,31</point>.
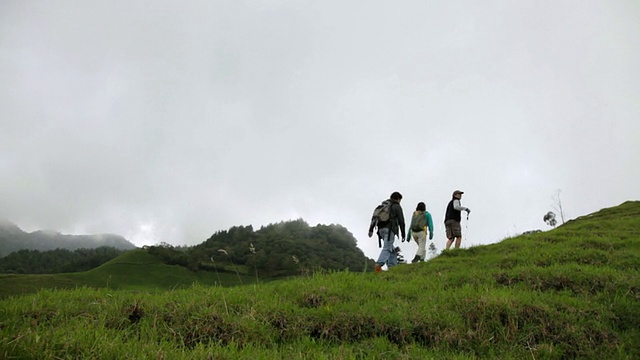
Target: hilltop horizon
<point>7,224</point>
<point>571,292</point>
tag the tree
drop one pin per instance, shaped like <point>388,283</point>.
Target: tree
<point>558,206</point>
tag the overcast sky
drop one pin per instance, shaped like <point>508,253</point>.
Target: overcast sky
<point>166,121</point>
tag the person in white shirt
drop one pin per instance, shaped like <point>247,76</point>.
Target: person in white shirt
<point>452,219</point>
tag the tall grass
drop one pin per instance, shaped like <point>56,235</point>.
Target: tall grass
<point>573,292</point>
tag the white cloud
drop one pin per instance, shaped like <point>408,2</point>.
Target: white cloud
<point>170,122</point>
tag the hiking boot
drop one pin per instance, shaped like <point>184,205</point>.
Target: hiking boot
<point>416,259</point>
<point>378,268</point>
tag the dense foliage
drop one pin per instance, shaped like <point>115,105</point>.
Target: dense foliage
<point>282,249</point>
<point>56,261</point>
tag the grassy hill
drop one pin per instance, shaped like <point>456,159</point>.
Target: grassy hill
<point>569,293</point>
<point>133,270</point>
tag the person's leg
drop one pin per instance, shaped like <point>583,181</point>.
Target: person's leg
<point>415,238</point>
<point>449,232</point>
<point>393,255</point>
<point>457,233</point>
<point>387,248</point>
<point>422,243</point>
<point>393,259</point>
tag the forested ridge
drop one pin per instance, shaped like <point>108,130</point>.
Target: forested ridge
<point>276,250</point>
<point>56,261</point>
<point>282,249</point>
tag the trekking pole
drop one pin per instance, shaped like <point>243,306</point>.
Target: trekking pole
<point>466,228</point>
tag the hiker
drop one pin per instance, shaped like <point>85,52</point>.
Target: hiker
<point>452,219</point>
<point>420,222</point>
<point>387,231</point>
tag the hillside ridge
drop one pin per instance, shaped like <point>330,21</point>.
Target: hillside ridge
<point>572,292</point>
<point>13,238</point>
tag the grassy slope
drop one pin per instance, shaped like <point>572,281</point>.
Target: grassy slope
<point>133,270</point>
<point>573,292</point>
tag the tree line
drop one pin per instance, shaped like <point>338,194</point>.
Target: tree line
<point>276,250</point>
<point>282,249</point>
<point>56,261</point>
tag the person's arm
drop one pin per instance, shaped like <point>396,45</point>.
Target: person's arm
<point>372,225</point>
<point>400,217</point>
<point>430,225</point>
<point>457,206</point>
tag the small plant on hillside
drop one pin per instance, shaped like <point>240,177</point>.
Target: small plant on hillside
<point>558,205</point>
<point>252,250</point>
<point>550,218</point>
<point>232,263</point>
<point>303,270</point>
<point>224,300</point>
<point>433,251</point>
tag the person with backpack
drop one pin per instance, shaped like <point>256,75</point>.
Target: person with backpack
<point>389,220</point>
<point>452,219</point>
<point>420,222</point>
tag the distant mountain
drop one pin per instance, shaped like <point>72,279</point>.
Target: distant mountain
<point>12,238</point>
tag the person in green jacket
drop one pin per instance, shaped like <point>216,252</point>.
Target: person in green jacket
<point>421,221</point>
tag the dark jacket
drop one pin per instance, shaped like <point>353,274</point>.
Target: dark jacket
<point>396,220</point>
<point>452,213</point>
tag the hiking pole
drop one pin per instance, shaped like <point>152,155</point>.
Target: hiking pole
<point>466,228</point>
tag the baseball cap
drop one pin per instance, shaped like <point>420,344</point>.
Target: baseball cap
<point>458,192</point>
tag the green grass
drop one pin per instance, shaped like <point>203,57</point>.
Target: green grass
<point>134,270</point>
<point>569,293</point>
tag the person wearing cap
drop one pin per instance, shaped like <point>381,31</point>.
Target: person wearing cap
<point>452,219</point>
